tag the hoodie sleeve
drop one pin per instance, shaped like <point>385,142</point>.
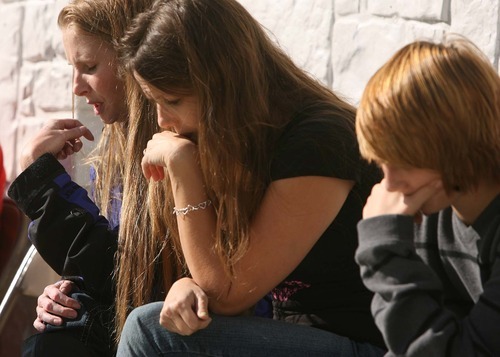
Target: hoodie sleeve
<point>66,227</point>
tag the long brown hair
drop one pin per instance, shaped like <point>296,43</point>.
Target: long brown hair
<point>144,270</point>
<point>117,159</point>
<point>248,88</point>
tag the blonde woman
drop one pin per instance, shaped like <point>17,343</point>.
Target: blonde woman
<point>75,235</point>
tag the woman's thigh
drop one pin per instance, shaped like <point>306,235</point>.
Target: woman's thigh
<point>234,336</point>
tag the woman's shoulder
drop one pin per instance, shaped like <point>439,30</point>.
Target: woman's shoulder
<point>318,143</point>
<point>323,125</point>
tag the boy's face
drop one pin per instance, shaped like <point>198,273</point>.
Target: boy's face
<point>409,181</point>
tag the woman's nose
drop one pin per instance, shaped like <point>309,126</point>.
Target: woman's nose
<point>80,86</point>
<point>162,115</point>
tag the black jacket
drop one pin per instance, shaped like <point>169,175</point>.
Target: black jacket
<point>67,229</point>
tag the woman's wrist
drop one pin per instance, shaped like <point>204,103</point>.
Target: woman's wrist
<point>185,157</point>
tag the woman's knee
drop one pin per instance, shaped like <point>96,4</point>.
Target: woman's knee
<point>141,319</point>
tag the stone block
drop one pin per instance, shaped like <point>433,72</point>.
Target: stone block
<point>11,30</point>
<point>301,28</point>
<point>346,7</point>
<point>8,102</point>
<point>478,20</point>
<point>56,32</point>
<point>361,45</point>
<point>359,49</point>
<point>39,28</point>
<point>53,87</point>
<point>424,10</point>
<point>45,88</point>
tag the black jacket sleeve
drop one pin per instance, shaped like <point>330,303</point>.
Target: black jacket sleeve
<point>67,229</point>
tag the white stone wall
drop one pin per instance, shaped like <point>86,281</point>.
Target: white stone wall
<point>341,42</point>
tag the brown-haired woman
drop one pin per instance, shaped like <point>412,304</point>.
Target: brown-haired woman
<point>266,180</point>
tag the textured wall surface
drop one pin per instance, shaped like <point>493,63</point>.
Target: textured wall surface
<point>341,42</point>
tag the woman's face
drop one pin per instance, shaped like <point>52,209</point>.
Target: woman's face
<point>178,113</point>
<point>94,74</point>
<point>407,181</point>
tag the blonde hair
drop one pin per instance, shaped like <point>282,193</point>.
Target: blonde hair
<point>434,106</point>
<point>94,17</point>
<point>142,259</point>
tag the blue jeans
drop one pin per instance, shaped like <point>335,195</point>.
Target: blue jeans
<point>234,336</point>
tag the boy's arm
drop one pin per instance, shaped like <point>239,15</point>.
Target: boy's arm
<point>66,227</point>
<point>408,303</point>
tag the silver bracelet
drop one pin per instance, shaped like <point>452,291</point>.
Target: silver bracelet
<point>190,208</point>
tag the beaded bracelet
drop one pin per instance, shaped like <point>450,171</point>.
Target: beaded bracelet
<point>190,208</point>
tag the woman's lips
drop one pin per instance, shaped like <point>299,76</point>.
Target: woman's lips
<point>97,108</point>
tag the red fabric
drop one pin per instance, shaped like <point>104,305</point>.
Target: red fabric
<point>2,180</point>
<point>11,221</point>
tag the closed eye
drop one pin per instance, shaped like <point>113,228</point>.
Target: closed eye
<point>171,102</point>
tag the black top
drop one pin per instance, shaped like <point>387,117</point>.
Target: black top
<point>67,229</point>
<point>326,290</point>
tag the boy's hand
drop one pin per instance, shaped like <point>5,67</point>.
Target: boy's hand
<point>383,202</point>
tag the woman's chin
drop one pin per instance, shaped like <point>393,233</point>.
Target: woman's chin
<point>109,120</point>
<point>165,125</point>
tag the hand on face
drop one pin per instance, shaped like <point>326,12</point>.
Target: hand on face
<point>382,201</point>
<point>61,138</point>
<point>55,304</point>
<point>163,150</point>
<point>185,309</point>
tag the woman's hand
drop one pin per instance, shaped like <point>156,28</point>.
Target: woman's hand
<point>185,309</point>
<point>54,304</point>
<point>382,201</point>
<point>61,138</point>
<point>164,149</point>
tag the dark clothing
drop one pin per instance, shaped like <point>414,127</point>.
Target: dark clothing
<point>437,284</point>
<point>74,239</point>
<point>62,344</point>
<point>88,335</point>
<point>325,290</point>
<point>67,229</point>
